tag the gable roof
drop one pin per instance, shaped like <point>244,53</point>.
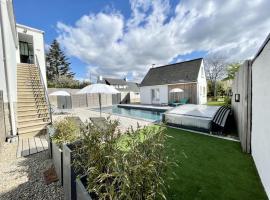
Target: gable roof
<point>182,72</point>
<point>114,81</point>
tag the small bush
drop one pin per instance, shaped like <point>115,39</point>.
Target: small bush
<point>128,166</point>
<point>228,101</point>
<point>66,131</point>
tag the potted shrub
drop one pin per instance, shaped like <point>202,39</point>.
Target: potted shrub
<point>65,131</point>
<point>121,166</point>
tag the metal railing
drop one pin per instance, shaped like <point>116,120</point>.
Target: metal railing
<point>44,88</point>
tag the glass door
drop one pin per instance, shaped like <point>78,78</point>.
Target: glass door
<point>26,52</point>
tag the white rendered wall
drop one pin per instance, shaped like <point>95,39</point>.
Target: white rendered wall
<point>202,98</point>
<point>38,45</point>
<point>145,94</point>
<point>3,86</point>
<point>10,52</point>
<point>260,134</point>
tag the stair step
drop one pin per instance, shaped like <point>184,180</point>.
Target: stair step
<point>31,97</point>
<point>24,110</point>
<point>32,124</point>
<point>31,113</point>
<point>33,106</point>
<point>34,130</point>
<point>25,122</point>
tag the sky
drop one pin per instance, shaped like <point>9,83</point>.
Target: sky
<point>121,38</point>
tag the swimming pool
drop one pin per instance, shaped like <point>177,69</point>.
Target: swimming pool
<point>134,113</point>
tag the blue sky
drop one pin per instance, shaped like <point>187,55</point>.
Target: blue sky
<point>121,38</point>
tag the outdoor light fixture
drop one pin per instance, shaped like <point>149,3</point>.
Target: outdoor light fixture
<point>237,97</point>
<point>230,93</point>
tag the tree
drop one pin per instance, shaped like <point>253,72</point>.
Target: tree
<point>57,63</point>
<point>215,68</point>
<point>232,69</point>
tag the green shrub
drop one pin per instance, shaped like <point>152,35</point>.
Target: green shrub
<point>123,166</point>
<point>228,101</point>
<point>66,131</point>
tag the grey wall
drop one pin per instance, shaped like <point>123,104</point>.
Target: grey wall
<point>242,110</point>
<point>78,100</point>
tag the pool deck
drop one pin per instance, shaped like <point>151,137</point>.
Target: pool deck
<point>86,113</point>
<point>146,107</point>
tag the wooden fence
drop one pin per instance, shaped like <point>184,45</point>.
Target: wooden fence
<point>241,104</point>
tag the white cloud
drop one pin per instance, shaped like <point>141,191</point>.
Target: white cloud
<point>157,33</point>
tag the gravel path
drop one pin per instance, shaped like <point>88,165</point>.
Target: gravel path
<point>22,178</point>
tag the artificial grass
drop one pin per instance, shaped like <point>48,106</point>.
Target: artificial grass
<point>210,168</point>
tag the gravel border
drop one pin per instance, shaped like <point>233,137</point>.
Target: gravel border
<point>22,178</point>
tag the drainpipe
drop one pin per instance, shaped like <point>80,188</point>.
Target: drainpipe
<point>10,105</point>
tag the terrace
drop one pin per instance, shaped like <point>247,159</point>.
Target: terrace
<point>209,167</point>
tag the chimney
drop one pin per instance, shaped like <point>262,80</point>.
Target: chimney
<point>125,79</point>
<point>153,65</point>
<point>99,78</point>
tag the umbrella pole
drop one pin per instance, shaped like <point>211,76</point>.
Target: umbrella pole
<point>99,99</point>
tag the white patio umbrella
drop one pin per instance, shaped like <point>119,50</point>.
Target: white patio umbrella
<point>176,90</point>
<point>98,89</point>
<point>61,93</point>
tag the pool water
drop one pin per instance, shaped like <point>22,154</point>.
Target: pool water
<point>133,112</point>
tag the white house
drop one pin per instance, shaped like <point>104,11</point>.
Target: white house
<point>129,91</point>
<point>22,68</point>
<point>189,76</point>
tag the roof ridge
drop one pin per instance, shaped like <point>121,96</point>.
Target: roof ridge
<point>177,63</point>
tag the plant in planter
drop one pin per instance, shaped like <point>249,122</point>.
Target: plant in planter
<point>122,166</point>
<point>65,131</point>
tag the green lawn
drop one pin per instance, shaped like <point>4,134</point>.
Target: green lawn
<point>211,169</point>
<point>215,103</point>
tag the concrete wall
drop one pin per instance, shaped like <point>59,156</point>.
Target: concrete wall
<point>38,45</point>
<point>261,115</point>
<point>78,100</point>
<point>146,97</point>
<point>241,110</point>
<point>202,86</point>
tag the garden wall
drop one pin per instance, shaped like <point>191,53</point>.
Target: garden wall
<point>242,109</point>
<point>78,100</point>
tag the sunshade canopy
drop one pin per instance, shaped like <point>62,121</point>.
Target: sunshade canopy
<point>59,93</point>
<point>174,90</point>
<point>98,89</point>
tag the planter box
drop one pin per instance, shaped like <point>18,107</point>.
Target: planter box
<point>69,175</point>
<point>57,156</point>
<point>50,132</point>
<point>82,193</point>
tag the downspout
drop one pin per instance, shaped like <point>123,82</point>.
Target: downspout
<point>11,108</point>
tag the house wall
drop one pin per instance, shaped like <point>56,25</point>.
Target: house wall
<point>8,72</point>
<point>260,142</point>
<point>38,45</point>
<point>190,92</point>
<point>134,97</point>
<point>145,94</point>
<point>202,86</point>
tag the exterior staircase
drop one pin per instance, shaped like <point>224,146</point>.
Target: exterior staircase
<point>33,114</point>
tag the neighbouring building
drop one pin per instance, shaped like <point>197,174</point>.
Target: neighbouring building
<point>189,76</point>
<point>22,75</point>
<point>129,91</point>
<point>251,109</point>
